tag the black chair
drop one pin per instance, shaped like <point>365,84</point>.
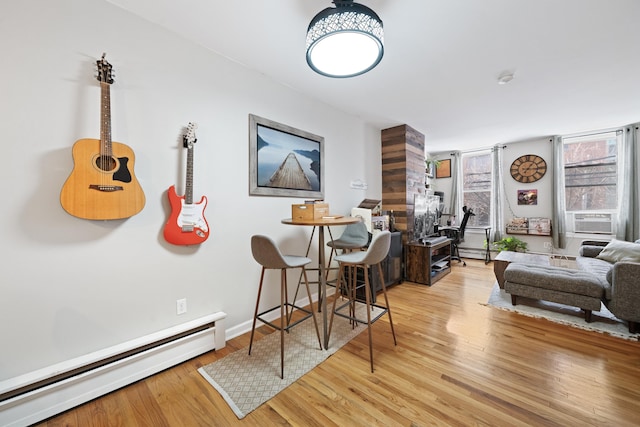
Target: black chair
<point>456,234</point>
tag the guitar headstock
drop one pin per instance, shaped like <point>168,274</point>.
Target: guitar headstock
<point>190,137</point>
<point>105,71</point>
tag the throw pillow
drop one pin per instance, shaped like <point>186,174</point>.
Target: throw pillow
<point>618,250</point>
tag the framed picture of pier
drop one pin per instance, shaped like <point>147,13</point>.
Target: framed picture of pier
<point>284,161</point>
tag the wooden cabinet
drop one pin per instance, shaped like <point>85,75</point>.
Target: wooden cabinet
<point>426,263</point>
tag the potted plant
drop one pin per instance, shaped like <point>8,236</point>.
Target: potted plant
<point>510,244</point>
<point>431,165</point>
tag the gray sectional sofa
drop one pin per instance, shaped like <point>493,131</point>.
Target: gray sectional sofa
<point>617,265</point>
<point>608,272</point>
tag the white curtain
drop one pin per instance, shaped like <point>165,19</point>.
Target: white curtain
<point>558,223</point>
<point>456,194</point>
<point>497,217</point>
<point>628,210</point>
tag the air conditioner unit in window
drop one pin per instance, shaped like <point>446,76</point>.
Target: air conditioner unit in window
<point>593,223</point>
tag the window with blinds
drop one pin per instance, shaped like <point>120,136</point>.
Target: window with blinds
<point>590,172</point>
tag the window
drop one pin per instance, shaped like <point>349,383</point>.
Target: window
<point>590,173</point>
<point>476,186</point>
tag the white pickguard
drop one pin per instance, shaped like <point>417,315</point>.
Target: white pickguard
<point>192,216</point>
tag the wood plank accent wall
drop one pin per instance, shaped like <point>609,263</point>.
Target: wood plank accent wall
<point>403,172</point>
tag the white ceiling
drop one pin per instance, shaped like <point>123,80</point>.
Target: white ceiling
<point>576,62</point>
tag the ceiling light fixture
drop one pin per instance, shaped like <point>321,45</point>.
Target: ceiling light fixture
<point>345,40</point>
<point>505,78</point>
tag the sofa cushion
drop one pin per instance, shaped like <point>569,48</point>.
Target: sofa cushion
<point>599,268</point>
<point>618,250</point>
<point>596,266</point>
<point>591,251</point>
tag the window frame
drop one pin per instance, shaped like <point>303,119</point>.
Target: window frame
<point>571,213</point>
<point>488,189</point>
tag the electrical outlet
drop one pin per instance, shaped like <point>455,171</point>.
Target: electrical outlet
<point>181,306</point>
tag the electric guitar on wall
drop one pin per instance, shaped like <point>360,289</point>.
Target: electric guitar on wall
<point>187,224</point>
<point>102,184</point>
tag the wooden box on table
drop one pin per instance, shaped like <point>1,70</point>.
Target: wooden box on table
<point>309,211</point>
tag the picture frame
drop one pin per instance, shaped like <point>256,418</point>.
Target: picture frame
<point>518,226</point>
<point>540,226</point>
<point>380,223</point>
<point>275,147</point>
<point>527,197</point>
<point>444,169</point>
<point>424,217</point>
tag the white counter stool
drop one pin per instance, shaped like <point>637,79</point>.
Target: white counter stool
<point>267,254</point>
<point>354,237</point>
<point>377,251</point>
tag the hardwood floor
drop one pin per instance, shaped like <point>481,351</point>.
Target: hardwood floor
<point>457,363</point>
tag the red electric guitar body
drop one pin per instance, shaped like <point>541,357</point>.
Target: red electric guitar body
<point>187,224</point>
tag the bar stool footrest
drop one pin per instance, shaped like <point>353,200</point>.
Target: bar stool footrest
<point>289,324</point>
<point>355,319</point>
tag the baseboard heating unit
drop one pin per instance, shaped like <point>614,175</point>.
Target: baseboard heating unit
<point>38,395</point>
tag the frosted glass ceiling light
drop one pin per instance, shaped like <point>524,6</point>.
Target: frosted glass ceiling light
<point>345,41</point>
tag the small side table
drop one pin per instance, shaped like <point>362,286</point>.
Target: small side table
<point>487,232</point>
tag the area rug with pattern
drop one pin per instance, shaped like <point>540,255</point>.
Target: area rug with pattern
<point>245,382</point>
<point>602,321</point>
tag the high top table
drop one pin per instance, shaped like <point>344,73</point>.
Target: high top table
<point>321,223</point>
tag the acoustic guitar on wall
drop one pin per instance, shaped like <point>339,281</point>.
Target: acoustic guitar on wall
<point>102,184</point>
<point>187,224</point>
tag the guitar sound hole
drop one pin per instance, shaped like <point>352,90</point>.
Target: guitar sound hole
<point>106,163</point>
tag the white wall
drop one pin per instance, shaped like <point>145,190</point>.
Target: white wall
<point>72,286</point>
<point>542,147</point>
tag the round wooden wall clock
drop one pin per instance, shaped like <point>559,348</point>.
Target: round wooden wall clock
<point>528,168</point>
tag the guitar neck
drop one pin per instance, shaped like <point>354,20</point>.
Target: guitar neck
<point>188,193</point>
<point>105,120</point>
